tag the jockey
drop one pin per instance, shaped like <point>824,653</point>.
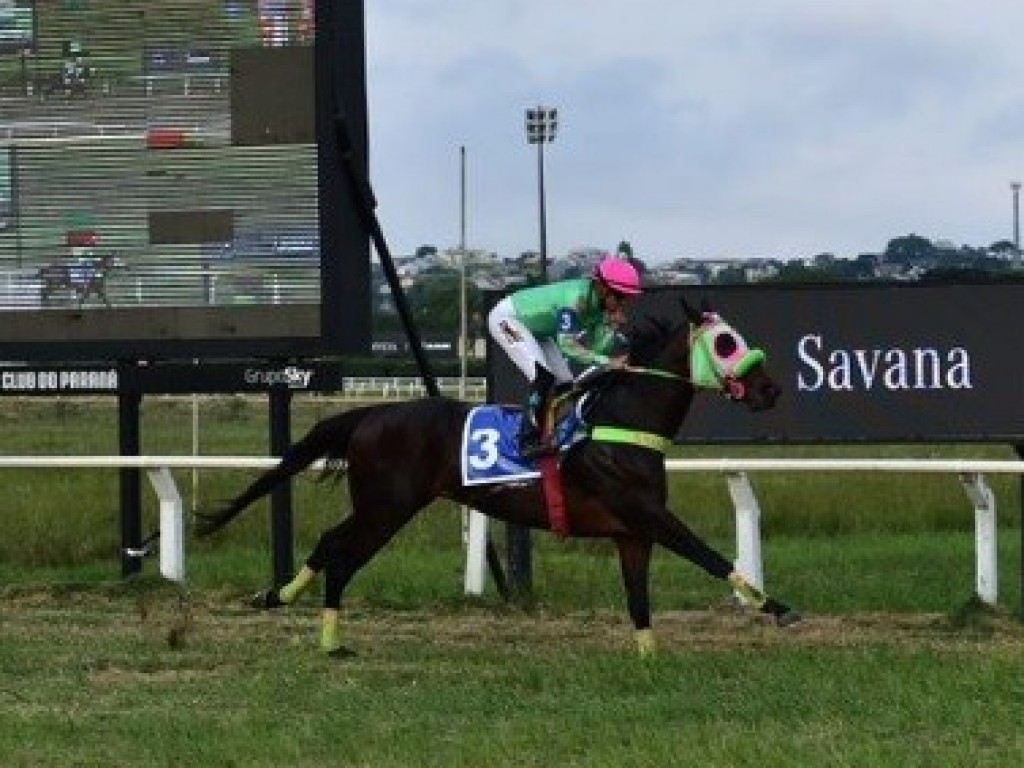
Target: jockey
<point>542,326</point>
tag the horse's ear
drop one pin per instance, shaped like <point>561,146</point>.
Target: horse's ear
<point>695,316</point>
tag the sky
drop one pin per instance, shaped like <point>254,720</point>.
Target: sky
<point>725,128</point>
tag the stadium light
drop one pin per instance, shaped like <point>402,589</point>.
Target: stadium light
<point>541,128</point>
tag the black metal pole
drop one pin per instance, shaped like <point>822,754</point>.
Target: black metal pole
<point>128,410</point>
<point>1019,449</point>
<point>542,212</point>
<point>362,193</point>
<point>520,559</point>
<point>281,529</point>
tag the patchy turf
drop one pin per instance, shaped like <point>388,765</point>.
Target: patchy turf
<point>147,674</point>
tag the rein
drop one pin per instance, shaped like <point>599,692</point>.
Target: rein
<point>657,372</point>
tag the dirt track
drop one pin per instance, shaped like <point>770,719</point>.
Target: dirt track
<point>165,617</point>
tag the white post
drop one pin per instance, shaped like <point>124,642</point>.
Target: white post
<point>172,527</point>
<point>981,496</point>
<point>476,551</point>
<point>748,528</point>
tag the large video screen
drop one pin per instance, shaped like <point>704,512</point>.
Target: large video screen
<point>171,185</point>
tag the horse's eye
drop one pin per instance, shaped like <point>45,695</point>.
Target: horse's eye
<point>725,344</point>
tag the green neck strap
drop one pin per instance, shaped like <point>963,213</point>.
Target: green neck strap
<point>630,436</point>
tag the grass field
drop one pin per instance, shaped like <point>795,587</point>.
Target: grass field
<point>90,680</point>
<point>894,664</point>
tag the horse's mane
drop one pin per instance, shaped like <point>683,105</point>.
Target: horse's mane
<point>649,335</point>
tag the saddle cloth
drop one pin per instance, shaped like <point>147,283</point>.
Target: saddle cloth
<point>490,444</point>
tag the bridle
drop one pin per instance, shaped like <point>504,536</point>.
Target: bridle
<point>719,358</point>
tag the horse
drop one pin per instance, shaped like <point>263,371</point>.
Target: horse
<point>399,457</point>
<point>82,278</point>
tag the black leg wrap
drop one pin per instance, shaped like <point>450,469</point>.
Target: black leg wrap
<point>784,615</point>
<point>266,600</point>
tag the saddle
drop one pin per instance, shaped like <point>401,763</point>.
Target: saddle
<point>565,420</point>
<point>490,446</point>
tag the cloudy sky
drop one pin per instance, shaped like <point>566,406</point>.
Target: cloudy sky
<point>780,128</point>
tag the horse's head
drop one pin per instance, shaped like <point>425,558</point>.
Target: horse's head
<point>711,355</point>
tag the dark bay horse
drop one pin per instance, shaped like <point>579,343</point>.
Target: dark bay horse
<point>81,278</point>
<point>401,456</point>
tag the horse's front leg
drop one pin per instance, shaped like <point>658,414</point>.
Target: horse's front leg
<point>635,562</point>
<point>650,518</point>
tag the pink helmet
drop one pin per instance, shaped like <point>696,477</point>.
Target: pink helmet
<point>619,275</point>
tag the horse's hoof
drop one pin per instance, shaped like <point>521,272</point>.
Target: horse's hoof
<point>784,615</point>
<point>788,618</point>
<point>266,600</point>
<point>342,652</point>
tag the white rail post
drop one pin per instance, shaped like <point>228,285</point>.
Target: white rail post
<point>980,494</point>
<point>172,527</point>
<point>476,551</point>
<point>748,528</point>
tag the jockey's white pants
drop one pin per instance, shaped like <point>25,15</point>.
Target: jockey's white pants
<point>522,346</point>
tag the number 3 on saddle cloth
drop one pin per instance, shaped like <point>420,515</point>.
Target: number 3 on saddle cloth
<point>490,451</point>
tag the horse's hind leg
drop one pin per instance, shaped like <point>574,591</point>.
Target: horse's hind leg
<point>341,556</point>
<point>290,592</point>
<point>340,553</point>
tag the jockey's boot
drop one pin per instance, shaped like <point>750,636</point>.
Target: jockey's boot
<point>533,443</point>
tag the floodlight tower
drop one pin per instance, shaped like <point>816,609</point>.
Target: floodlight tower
<point>541,127</point>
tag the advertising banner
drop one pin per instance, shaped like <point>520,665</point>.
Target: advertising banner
<point>172,378</point>
<point>899,362</point>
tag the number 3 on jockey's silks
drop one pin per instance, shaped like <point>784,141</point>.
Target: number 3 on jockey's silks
<point>483,448</point>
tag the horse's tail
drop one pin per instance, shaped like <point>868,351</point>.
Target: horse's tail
<point>328,439</point>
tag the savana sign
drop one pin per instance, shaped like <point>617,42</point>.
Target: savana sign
<point>894,368</point>
<point>898,362</point>
<point>901,362</point>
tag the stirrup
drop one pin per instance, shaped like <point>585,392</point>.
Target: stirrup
<point>538,451</point>
<point>531,441</point>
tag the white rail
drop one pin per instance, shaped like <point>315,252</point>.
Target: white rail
<point>971,474</point>
<point>749,560</point>
<point>158,468</point>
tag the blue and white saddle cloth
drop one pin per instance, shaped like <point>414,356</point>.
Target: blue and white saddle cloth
<point>490,444</point>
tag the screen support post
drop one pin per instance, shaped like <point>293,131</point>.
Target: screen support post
<point>129,431</point>
<point>281,528</point>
